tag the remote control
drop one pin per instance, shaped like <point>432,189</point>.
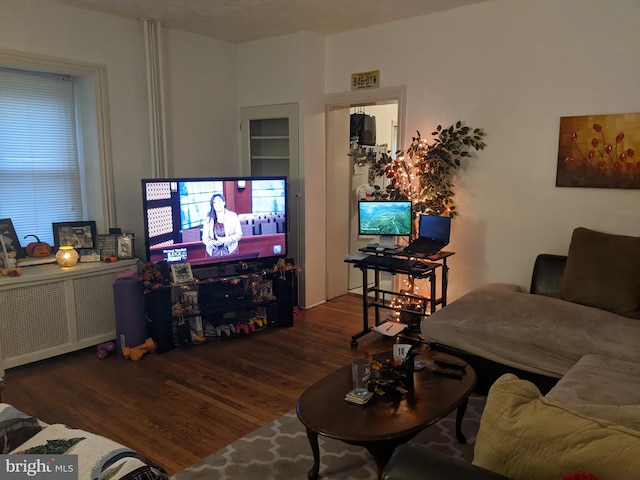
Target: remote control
<point>442,362</point>
<point>449,372</point>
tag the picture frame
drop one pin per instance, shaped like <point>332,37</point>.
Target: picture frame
<point>9,242</point>
<point>125,245</point>
<point>107,244</point>
<point>89,254</point>
<point>181,272</point>
<point>77,234</point>
<point>594,152</point>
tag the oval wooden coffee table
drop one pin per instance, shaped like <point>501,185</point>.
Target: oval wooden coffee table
<point>385,421</point>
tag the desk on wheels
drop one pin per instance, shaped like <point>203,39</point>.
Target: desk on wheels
<point>415,266</point>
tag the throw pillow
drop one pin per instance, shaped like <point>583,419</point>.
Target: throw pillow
<point>603,271</point>
<point>528,437</point>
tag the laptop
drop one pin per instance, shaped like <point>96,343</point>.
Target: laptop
<point>433,235</point>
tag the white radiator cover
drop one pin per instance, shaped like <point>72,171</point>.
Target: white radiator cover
<point>48,311</point>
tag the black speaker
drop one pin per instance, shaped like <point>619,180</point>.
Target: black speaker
<point>363,126</point>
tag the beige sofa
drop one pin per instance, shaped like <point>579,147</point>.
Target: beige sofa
<point>577,333</point>
<point>584,303</point>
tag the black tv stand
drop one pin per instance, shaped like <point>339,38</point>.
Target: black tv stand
<point>227,295</point>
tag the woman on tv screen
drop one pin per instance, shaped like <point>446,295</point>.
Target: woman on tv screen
<point>221,231</point>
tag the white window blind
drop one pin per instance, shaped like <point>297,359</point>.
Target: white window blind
<point>40,180</point>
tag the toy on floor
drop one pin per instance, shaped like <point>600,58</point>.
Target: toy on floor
<point>105,349</point>
<point>136,353</point>
<point>242,328</point>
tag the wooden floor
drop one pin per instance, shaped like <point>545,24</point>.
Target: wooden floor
<point>183,405</point>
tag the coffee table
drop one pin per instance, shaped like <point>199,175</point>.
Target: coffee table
<point>385,421</point>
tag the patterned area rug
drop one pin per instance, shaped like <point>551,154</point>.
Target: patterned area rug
<point>280,450</point>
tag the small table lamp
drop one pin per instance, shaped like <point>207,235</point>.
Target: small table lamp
<point>67,256</point>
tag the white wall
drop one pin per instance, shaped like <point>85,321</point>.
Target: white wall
<point>313,171</point>
<point>269,72</point>
<point>200,91</point>
<point>512,68</point>
<point>202,115</point>
<point>290,69</point>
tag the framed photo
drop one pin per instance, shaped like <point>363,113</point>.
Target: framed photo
<point>89,255</point>
<point>181,272</point>
<point>9,242</point>
<point>107,244</point>
<point>76,234</point>
<point>125,245</point>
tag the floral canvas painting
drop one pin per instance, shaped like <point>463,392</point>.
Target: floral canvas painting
<point>599,151</point>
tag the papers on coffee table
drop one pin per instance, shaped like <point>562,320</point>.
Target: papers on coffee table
<point>390,329</point>
<point>359,398</point>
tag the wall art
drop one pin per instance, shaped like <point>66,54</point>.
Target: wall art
<point>599,151</point>
<point>76,234</point>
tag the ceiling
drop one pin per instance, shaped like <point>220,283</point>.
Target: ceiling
<point>238,21</point>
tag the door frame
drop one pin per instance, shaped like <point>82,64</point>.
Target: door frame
<point>337,105</point>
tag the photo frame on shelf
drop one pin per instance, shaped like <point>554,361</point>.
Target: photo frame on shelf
<point>9,242</point>
<point>77,234</point>
<point>125,245</point>
<point>89,254</point>
<point>107,244</point>
<point>262,290</point>
<point>181,272</point>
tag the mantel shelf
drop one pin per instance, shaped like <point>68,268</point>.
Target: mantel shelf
<point>52,271</point>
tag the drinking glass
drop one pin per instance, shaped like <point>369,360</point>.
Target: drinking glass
<point>360,370</point>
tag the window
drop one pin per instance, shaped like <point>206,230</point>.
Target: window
<point>39,166</point>
<point>55,163</point>
<point>267,196</point>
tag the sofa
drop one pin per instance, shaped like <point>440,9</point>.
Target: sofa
<point>524,435</point>
<point>582,303</point>
<point>560,365</point>
<point>98,458</point>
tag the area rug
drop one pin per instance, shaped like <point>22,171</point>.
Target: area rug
<point>281,451</point>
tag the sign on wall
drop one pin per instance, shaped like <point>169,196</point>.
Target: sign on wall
<point>365,80</point>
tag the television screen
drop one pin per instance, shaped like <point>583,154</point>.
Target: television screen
<point>376,217</point>
<point>214,220</point>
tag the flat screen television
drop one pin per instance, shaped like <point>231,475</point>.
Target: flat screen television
<point>385,218</point>
<point>204,221</point>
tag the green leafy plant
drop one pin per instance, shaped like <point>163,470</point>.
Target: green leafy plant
<point>423,174</point>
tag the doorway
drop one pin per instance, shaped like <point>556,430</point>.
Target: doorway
<point>343,180</point>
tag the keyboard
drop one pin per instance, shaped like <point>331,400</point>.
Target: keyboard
<point>391,263</point>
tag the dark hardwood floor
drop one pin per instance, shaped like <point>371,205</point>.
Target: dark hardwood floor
<point>183,405</point>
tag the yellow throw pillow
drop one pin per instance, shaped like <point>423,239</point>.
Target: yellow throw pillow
<point>528,437</point>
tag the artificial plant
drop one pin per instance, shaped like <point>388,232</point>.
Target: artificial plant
<point>423,173</point>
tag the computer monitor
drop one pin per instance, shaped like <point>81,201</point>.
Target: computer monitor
<point>387,218</point>
<point>435,227</point>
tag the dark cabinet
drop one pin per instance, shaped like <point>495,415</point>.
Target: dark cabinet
<point>221,307</point>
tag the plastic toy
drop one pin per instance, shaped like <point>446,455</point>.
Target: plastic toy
<point>105,349</point>
<point>136,353</point>
<point>242,328</point>
<point>223,329</point>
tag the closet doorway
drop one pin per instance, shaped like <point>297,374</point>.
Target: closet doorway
<point>346,180</point>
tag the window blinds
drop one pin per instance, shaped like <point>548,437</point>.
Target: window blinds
<point>40,180</point>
